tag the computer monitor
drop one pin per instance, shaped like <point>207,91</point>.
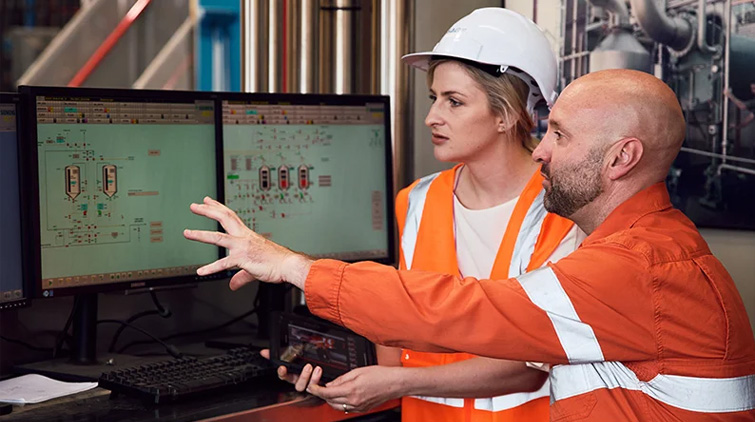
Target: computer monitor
<point>312,172</point>
<point>111,177</point>
<point>12,286</point>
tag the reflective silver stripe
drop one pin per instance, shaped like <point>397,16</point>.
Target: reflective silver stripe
<point>527,237</point>
<point>442,400</point>
<point>417,197</point>
<point>706,395</point>
<point>510,401</point>
<point>577,338</point>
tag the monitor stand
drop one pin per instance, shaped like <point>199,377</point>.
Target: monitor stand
<point>84,364</point>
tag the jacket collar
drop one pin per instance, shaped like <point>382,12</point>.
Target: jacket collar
<point>649,200</point>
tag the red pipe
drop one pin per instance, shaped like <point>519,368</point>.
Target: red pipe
<point>107,45</point>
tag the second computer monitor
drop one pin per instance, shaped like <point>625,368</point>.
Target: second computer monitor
<point>312,172</point>
<point>113,174</point>
<point>12,291</point>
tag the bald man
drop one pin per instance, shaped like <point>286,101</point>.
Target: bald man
<point>641,323</point>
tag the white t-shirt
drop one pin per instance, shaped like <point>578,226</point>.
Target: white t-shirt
<point>479,234</point>
<point>478,237</point>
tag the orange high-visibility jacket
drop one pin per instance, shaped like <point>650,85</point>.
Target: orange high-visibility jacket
<point>641,323</point>
<point>424,212</point>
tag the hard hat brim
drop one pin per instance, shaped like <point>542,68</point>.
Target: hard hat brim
<point>421,61</point>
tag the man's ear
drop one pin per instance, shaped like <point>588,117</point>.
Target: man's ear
<point>623,157</point>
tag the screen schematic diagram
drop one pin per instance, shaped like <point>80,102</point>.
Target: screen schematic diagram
<point>83,202</point>
<point>273,178</point>
<point>114,182</point>
<point>292,171</point>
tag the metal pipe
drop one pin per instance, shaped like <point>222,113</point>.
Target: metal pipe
<point>676,4</point>
<point>275,50</point>
<point>307,42</point>
<point>575,9</point>
<point>375,37</point>
<point>716,155</point>
<point>617,8</point>
<point>292,45</point>
<point>735,168</point>
<point>727,81</point>
<point>676,32</point>
<point>250,48</point>
<point>254,48</point>
<point>324,51</point>
<point>702,29</point>
<point>396,16</point>
<point>343,51</point>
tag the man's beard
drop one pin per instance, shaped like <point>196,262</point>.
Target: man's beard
<point>574,185</point>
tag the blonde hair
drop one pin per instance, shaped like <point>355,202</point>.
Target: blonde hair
<point>507,97</point>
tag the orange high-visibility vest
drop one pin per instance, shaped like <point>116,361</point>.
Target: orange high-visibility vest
<point>425,215</point>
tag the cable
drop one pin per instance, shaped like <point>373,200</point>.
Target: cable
<point>120,329</point>
<point>195,332</point>
<point>161,310</point>
<point>164,312</point>
<point>172,350</point>
<point>64,332</point>
<point>255,304</point>
<point>27,345</point>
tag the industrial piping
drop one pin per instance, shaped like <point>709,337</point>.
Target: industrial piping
<point>676,32</point>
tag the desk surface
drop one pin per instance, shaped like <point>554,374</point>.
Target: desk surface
<point>269,401</point>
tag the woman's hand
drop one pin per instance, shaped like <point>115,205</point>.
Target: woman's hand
<point>300,381</point>
<point>361,389</point>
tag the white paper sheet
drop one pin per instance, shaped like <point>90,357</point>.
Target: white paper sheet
<point>37,388</point>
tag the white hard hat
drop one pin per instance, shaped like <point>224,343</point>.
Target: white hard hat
<point>503,38</point>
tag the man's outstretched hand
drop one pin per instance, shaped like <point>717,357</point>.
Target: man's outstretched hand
<point>256,257</point>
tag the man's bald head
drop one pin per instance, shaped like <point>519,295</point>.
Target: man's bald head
<point>632,104</point>
<point>610,135</point>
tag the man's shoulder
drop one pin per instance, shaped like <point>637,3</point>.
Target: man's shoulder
<point>658,244</point>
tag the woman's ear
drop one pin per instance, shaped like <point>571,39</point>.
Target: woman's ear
<point>505,122</point>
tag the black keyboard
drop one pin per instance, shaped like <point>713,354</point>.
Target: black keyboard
<point>177,379</point>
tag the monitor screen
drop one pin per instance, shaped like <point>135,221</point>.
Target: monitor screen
<point>312,172</point>
<point>115,173</point>
<point>12,292</point>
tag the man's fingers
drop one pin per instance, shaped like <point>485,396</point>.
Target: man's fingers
<point>220,213</point>
<point>209,237</point>
<point>240,279</point>
<point>265,353</point>
<point>217,266</point>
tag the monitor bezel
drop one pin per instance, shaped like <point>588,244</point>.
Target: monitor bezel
<point>331,99</point>
<point>14,98</point>
<point>31,186</point>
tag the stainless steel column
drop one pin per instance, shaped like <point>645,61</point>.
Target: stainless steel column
<point>397,23</point>
<point>307,63</point>
<point>254,48</point>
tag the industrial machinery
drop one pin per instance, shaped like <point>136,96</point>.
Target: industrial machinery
<point>701,49</point>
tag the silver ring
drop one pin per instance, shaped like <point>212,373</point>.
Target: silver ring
<point>344,408</point>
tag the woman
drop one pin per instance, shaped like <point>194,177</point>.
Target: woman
<point>483,218</point>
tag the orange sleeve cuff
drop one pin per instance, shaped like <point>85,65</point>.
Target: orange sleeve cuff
<point>322,289</point>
